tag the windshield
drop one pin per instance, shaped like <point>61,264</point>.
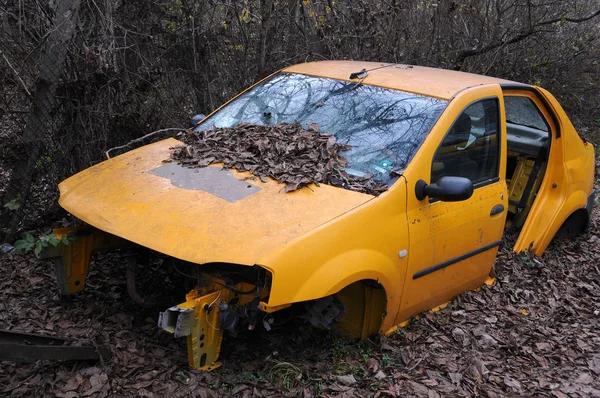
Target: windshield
<point>383,127</point>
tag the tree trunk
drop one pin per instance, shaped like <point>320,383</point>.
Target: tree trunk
<point>51,66</point>
<point>265,24</point>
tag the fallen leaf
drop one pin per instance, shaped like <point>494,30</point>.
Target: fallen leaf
<point>347,380</point>
<point>372,365</point>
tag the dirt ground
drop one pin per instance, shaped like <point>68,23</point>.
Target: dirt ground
<point>534,333</point>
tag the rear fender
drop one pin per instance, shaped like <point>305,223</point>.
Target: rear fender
<point>539,242</point>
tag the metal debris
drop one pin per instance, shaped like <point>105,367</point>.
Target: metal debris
<point>29,347</point>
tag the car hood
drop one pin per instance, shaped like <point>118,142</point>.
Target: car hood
<point>198,215</point>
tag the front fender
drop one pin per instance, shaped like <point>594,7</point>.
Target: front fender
<point>368,242</point>
<point>345,269</point>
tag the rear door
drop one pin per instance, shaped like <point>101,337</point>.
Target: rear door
<point>543,220</point>
<point>453,244</point>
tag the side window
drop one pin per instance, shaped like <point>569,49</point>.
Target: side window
<point>522,111</point>
<point>470,148</point>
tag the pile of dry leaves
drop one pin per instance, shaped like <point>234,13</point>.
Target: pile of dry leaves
<point>285,152</point>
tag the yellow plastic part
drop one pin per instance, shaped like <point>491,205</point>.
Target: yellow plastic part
<point>72,260</point>
<point>439,307</point>
<point>490,281</point>
<point>364,305</point>
<point>204,342</point>
<point>517,187</point>
<point>264,307</point>
<point>397,327</point>
<point>206,335</point>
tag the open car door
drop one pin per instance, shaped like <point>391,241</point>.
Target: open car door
<point>565,186</point>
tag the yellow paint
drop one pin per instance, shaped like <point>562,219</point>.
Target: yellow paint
<point>264,307</point>
<point>120,197</point>
<point>490,281</point>
<point>72,260</point>
<point>439,307</point>
<point>568,182</point>
<point>439,83</point>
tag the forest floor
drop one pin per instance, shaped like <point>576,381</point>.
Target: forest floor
<point>535,332</point>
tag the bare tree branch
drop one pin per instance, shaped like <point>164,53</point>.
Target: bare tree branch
<point>107,153</point>
<point>464,54</point>
<point>16,73</point>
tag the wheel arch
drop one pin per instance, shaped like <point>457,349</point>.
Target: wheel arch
<point>576,223</point>
<point>365,302</point>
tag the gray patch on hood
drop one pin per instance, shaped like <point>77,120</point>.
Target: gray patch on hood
<point>212,180</point>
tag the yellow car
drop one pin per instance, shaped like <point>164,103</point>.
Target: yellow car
<point>465,158</point>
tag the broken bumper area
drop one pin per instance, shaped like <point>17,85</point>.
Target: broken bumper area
<point>208,312</point>
<point>198,320</point>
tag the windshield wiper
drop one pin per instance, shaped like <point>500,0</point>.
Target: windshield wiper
<point>359,75</point>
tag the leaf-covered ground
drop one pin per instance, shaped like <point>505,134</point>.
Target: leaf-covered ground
<point>536,332</point>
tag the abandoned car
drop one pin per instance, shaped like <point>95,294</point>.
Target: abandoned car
<point>465,158</point>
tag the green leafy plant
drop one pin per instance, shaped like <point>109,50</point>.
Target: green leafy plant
<point>343,368</point>
<point>287,373</point>
<point>527,262</point>
<point>339,350</point>
<point>385,360</point>
<point>365,351</point>
<point>14,204</point>
<point>318,388</point>
<point>37,245</point>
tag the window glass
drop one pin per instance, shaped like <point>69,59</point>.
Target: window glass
<point>383,127</point>
<point>522,111</point>
<point>470,148</point>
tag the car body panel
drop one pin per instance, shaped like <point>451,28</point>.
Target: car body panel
<point>442,231</point>
<point>122,197</point>
<point>433,82</point>
<point>567,184</point>
<point>364,244</point>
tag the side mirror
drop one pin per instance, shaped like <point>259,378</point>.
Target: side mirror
<point>446,189</point>
<point>197,119</point>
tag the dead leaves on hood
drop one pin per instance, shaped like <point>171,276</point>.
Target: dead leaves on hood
<point>285,152</point>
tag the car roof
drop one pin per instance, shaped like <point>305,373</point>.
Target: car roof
<point>433,82</point>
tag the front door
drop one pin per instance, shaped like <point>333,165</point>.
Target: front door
<point>453,244</point>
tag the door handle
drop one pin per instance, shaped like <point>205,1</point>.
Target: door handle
<point>497,210</point>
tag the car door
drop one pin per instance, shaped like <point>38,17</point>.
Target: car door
<point>453,244</point>
<point>562,176</point>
